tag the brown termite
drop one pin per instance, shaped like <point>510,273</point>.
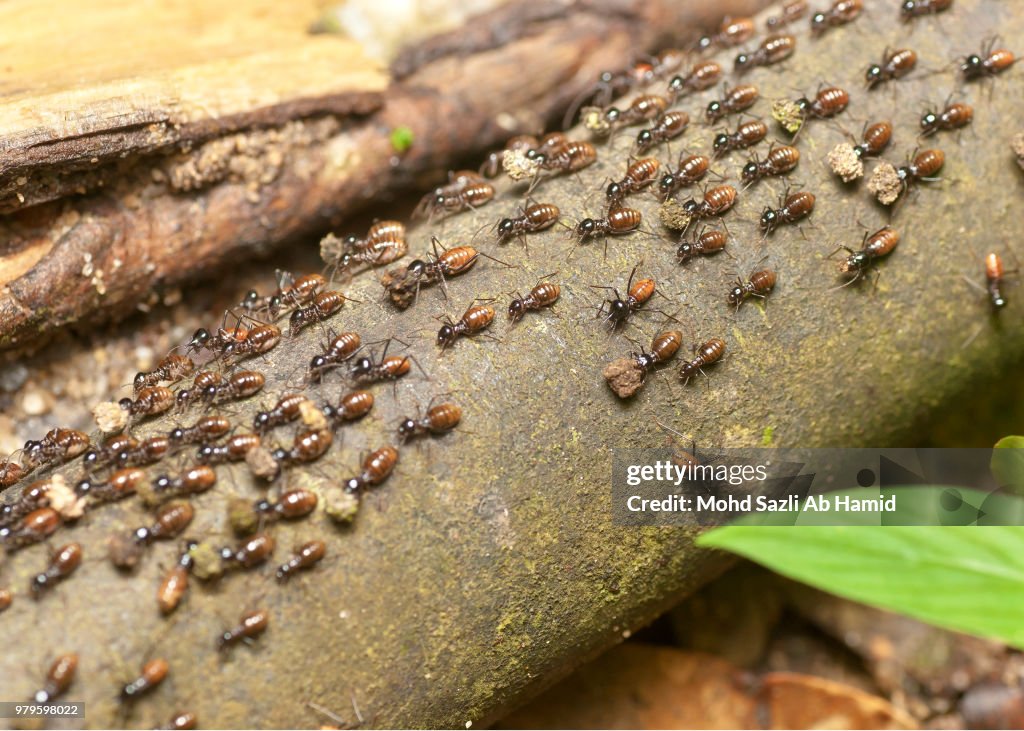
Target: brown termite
<point>184,721</point>
<point>172,368</point>
<point>206,428</point>
<point>571,158</point>
<point>292,504</point>
<point>618,222</point>
<point>340,349</point>
<point>747,134</point>
<point>6,598</point>
<point>839,13</point>
<point>110,452</point>
<point>994,273</point>
<point>706,243</point>
<point>192,481</point>
<point>446,202</point>
<point>33,528</point>
<point>716,202</point>
<point>703,75</point>
<point>780,160</point>
<point>285,411</point>
<point>731,32</point>
<point>874,140</point>
<point>146,452</point>
<point>911,9</point>
<point>306,557</point>
<point>954,116</point>
<point>63,563</point>
<point>875,245</point>
<point>638,176</point>
<point>59,445</point>
<point>791,11</point>
<point>203,339</point>
<point>827,103</point>
<point>258,340</point>
<point>760,283</point>
<point>175,582</point>
<point>377,467</point>
<point>376,254</point>
<point>307,446</point>
<point>239,385</point>
<point>153,674</point>
<point>637,295</point>
<point>171,519</point>
<point>255,551</point>
<point>605,121</point>
<point>32,498</point>
<point>535,217</point>
<point>792,208</point>
<point>664,347</point>
<point>704,355</point>
<point>58,679</point>
<point>324,305</point>
<point>773,49</point>
<point>436,267</point>
<point>351,407</point>
<point>381,231</point>
<point>475,319</point>
<point>202,381</point>
<point>366,370</point>
<point>667,127</point>
<point>119,485</point>
<point>234,449</point>
<point>735,99</point>
<point>988,63</point>
<point>251,626</point>
<point>691,169</point>
<point>297,292</point>
<point>544,294</point>
<point>894,65</point>
<point>439,419</point>
<point>149,401</point>
<point>923,166</point>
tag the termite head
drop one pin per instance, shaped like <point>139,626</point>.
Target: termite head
<point>406,428</point>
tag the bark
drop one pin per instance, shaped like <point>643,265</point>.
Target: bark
<point>488,567</point>
<point>189,169</point>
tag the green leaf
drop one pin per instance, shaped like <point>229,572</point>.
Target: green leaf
<point>965,578</point>
<point>1008,463</point>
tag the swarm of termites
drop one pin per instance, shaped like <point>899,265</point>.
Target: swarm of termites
<point>885,183</point>
<point>845,162</point>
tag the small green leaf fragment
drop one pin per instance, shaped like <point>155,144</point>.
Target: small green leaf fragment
<point>401,139</point>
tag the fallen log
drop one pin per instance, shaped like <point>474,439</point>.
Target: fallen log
<point>488,566</point>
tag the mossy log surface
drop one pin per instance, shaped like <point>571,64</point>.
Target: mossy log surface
<point>487,566</point>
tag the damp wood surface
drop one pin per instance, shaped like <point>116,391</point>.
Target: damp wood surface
<point>487,567</point>
<point>241,132</point>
